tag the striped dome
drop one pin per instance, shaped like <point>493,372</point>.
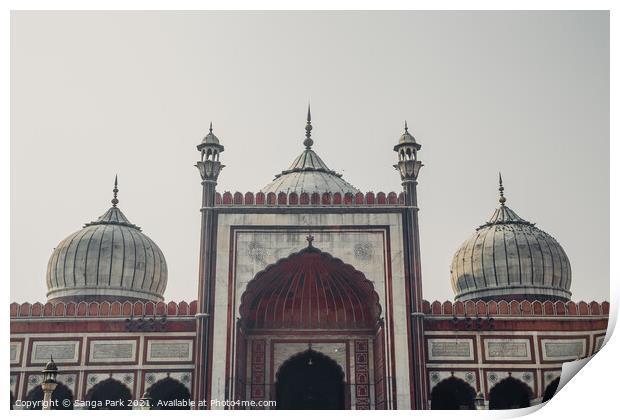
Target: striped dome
<point>109,259</point>
<point>510,258</point>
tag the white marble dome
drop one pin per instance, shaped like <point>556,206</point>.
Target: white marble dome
<point>510,258</point>
<point>309,174</point>
<point>109,259</point>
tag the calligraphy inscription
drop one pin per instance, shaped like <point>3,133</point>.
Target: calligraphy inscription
<point>112,351</point>
<point>59,351</point>
<point>170,350</point>
<point>564,350</point>
<point>506,349</point>
<point>450,349</point>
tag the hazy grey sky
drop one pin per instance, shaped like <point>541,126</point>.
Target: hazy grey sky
<point>99,93</point>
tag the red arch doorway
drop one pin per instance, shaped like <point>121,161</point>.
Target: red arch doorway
<point>306,301</point>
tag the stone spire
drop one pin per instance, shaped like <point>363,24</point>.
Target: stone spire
<point>308,142</point>
<point>115,191</point>
<point>502,199</point>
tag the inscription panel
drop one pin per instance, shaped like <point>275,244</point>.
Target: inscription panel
<point>598,343</point>
<point>450,349</point>
<point>169,351</point>
<point>563,349</point>
<point>16,352</point>
<point>61,351</point>
<point>112,351</point>
<point>500,349</point>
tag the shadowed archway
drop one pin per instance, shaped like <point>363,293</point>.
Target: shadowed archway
<point>109,395</point>
<point>310,381</point>
<point>169,394</point>
<point>551,389</point>
<point>509,394</point>
<point>453,394</point>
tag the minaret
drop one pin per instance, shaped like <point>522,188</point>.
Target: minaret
<point>409,168</point>
<point>209,167</point>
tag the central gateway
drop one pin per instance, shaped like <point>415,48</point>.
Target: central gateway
<point>310,292</point>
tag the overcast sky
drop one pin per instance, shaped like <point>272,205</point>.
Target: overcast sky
<point>99,93</point>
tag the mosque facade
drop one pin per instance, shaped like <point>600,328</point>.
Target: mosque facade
<point>309,297</point>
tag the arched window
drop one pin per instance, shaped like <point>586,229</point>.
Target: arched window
<point>169,394</point>
<point>453,394</point>
<point>59,397</point>
<point>508,394</point>
<point>109,395</point>
<point>552,388</point>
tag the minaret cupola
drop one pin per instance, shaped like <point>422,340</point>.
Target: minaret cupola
<point>408,164</point>
<point>210,149</point>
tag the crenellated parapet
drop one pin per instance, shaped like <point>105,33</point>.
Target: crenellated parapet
<point>515,308</point>
<point>309,199</point>
<point>103,309</point>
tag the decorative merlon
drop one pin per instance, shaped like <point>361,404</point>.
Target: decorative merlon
<point>515,308</point>
<point>114,309</point>
<point>310,199</point>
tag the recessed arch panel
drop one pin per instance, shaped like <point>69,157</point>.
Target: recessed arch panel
<point>310,290</point>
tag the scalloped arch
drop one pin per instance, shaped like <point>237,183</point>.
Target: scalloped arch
<point>310,289</point>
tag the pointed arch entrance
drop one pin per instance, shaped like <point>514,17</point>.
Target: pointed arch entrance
<point>307,313</point>
<point>310,380</point>
<point>508,394</point>
<point>109,394</point>
<point>169,394</point>
<point>453,394</point>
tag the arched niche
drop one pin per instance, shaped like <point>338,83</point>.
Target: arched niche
<point>453,394</point>
<point>169,394</point>
<point>310,299</point>
<point>310,380</point>
<point>310,290</point>
<point>109,394</point>
<point>510,393</point>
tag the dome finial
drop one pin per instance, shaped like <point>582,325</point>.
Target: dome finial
<point>502,199</point>
<point>115,191</point>
<point>406,128</point>
<point>308,142</point>
<point>210,127</point>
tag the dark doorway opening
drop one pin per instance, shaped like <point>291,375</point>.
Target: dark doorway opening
<point>169,394</point>
<point>310,381</point>
<point>59,397</point>
<point>453,394</point>
<point>552,388</point>
<point>508,394</point>
<point>109,395</point>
